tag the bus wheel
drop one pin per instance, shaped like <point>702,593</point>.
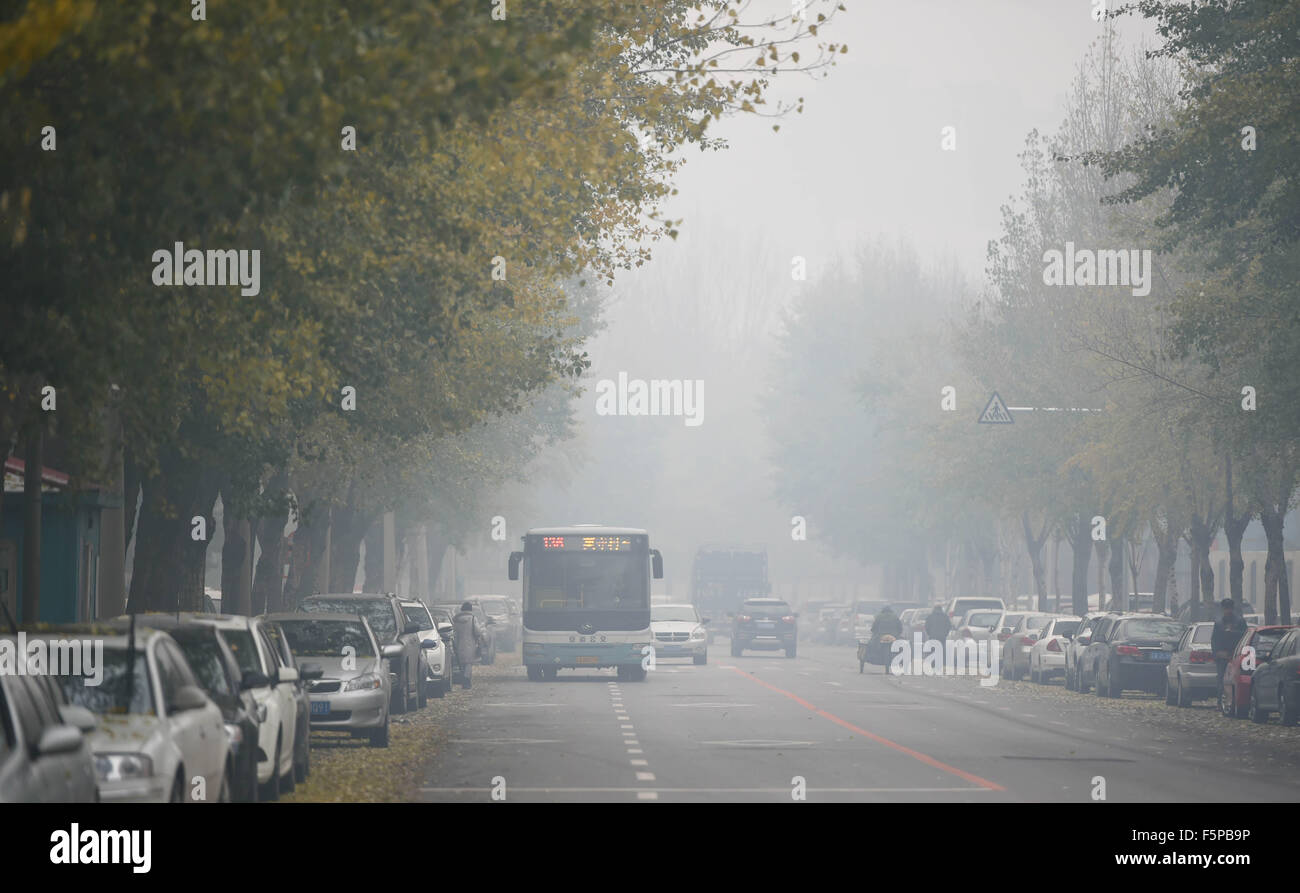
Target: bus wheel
<point>534,673</point>
<point>632,673</point>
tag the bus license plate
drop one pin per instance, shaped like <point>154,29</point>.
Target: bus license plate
<point>588,660</point>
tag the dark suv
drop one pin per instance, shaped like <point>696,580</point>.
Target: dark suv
<point>764,624</point>
<point>388,620</point>
<point>1130,651</point>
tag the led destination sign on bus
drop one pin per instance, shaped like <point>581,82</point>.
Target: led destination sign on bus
<point>587,543</point>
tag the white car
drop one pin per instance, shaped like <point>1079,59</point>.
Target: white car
<point>1018,641</point>
<point>1047,655</point>
<point>272,686</point>
<point>160,738</point>
<point>437,660</point>
<point>977,624</point>
<point>679,631</point>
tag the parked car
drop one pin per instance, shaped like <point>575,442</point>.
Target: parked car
<point>390,626</point>
<point>978,624</point>
<point>354,692</point>
<point>1130,651</point>
<point>217,671</point>
<point>1257,642</point>
<point>45,755</point>
<point>679,631</point>
<point>1276,683</point>
<point>159,737</point>
<point>437,656</point>
<point>504,627</point>
<point>766,624</point>
<point>274,686</point>
<point>913,621</point>
<point>487,653</point>
<point>1018,643</point>
<point>442,616</point>
<point>1078,644</point>
<point>958,608</point>
<point>1192,672</point>
<point>306,673</point>
<point>1047,654</point>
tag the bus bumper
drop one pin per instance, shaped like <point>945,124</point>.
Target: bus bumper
<point>546,654</point>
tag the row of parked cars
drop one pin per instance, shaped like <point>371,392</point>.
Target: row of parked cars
<point>1110,652</point>
<point>198,706</point>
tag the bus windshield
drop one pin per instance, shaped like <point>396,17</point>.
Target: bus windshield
<point>586,581</point>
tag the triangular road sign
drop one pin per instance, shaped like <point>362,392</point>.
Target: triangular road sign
<point>996,412</point>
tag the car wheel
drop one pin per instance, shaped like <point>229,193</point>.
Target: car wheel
<point>1183,695</point>
<point>289,780</point>
<point>736,650</point>
<point>379,736</point>
<point>1097,687</point>
<point>424,694</point>
<point>1113,688</point>
<point>1069,680</point>
<point>398,701</point>
<point>1171,697</point>
<point>224,795</point>
<point>1256,713</point>
<point>1288,711</point>
<point>302,765</point>
<point>792,651</point>
<point>701,659</point>
<point>271,790</point>
<point>178,788</point>
<point>1226,706</point>
<point>439,687</point>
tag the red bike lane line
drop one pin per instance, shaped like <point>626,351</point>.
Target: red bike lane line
<point>914,754</point>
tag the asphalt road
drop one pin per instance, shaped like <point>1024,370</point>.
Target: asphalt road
<point>745,729</point>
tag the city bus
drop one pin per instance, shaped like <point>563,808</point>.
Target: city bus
<point>586,599</point>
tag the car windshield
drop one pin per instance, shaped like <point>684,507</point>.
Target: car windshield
<point>125,687</point>
<point>982,618</point>
<point>326,638</point>
<point>672,612</point>
<point>1011,619</point>
<point>418,614</point>
<point>1065,627</point>
<point>968,604</point>
<point>1037,621</point>
<point>240,642</point>
<point>494,606</point>
<point>766,609</point>
<point>1203,634</point>
<point>204,656</point>
<point>1264,641</point>
<point>1151,629</point>
<point>377,612</point>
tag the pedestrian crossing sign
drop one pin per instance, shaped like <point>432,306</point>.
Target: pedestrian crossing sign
<point>996,412</point>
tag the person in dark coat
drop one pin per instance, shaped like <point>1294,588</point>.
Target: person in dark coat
<point>937,625</point>
<point>1228,630</point>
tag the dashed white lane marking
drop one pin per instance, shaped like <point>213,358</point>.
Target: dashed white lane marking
<point>639,762</point>
<point>629,734</point>
<point>647,795</point>
<point>626,726</point>
<point>522,704</point>
<point>635,750</point>
<point>829,682</point>
<point>645,776</point>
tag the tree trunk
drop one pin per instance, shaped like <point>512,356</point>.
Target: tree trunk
<point>1081,546</point>
<point>34,459</point>
<point>436,544</point>
<point>130,493</point>
<point>169,562</point>
<point>1117,590</point>
<point>310,552</point>
<point>1274,566</point>
<point>348,528</point>
<point>1235,528</point>
<point>1166,560</point>
<point>1103,553</point>
<point>1034,544</point>
<point>236,597</point>
<point>374,579</point>
<point>268,580</point>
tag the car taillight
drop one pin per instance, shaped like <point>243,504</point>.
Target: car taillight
<point>788,618</point>
<point>1130,650</point>
<point>1028,640</point>
<point>744,618</point>
<point>1054,645</point>
<point>1202,657</point>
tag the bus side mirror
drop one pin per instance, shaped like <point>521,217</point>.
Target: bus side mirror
<point>656,564</point>
<point>515,558</point>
